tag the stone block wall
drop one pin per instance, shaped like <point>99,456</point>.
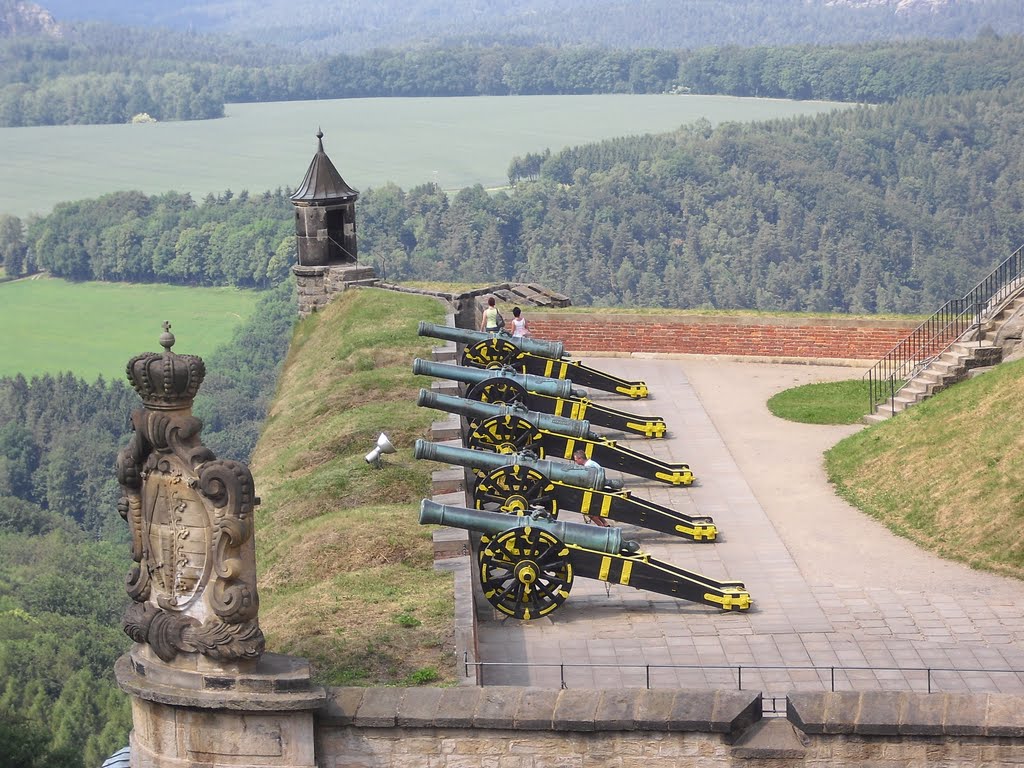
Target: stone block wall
<point>317,285</point>
<point>530,727</point>
<point>536,728</point>
<point>771,338</point>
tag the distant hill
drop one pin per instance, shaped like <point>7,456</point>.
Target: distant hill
<point>20,18</point>
<point>348,26</point>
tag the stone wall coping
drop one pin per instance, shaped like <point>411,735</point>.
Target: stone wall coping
<point>904,713</point>
<point>593,317</point>
<point>337,268</point>
<point>303,270</point>
<point>449,296</point>
<point>515,708</point>
<point>838,362</point>
<point>445,296</point>
<point>276,683</point>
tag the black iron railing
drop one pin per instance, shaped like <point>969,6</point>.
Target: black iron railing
<point>832,677</point>
<point>940,331</point>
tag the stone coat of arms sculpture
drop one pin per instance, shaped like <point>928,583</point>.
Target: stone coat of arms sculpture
<point>190,517</point>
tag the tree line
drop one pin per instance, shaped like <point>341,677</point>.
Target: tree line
<point>317,28</point>
<point>129,236</point>
<point>64,549</point>
<point>103,74</point>
<point>93,77</point>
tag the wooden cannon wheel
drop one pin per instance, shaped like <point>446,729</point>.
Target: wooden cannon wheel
<point>491,353</point>
<point>499,389</point>
<point>525,572</point>
<point>504,434</point>
<point>515,490</point>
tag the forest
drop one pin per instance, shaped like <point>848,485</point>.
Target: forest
<point>63,546</point>
<point>108,75</point>
<point>357,26</point>
<point>131,237</point>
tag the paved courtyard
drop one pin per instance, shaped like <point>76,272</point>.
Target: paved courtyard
<point>831,588</point>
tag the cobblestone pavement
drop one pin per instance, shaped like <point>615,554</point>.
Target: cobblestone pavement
<point>832,588</point>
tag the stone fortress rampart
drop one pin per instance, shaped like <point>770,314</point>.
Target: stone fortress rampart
<point>271,716</point>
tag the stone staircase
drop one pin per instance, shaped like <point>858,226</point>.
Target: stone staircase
<point>977,350</point>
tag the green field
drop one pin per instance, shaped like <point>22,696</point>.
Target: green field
<point>92,329</point>
<point>454,142</point>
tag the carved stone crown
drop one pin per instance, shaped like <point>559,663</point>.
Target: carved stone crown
<point>166,381</point>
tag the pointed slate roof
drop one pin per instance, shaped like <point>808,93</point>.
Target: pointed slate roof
<point>323,184</point>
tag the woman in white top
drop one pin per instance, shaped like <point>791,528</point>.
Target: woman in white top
<point>519,326</point>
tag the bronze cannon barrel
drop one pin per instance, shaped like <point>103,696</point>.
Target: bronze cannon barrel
<point>560,471</point>
<point>481,411</point>
<point>608,540</point>
<point>539,347</point>
<point>530,382</point>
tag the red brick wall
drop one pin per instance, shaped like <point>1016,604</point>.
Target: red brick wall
<point>862,339</point>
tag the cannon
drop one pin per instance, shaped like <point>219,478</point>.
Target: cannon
<point>481,379</point>
<point>481,413</point>
<point>513,429</point>
<point>519,483</point>
<point>533,356</point>
<point>527,563</point>
<point>554,350</point>
<point>539,393</point>
<point>486,461</point>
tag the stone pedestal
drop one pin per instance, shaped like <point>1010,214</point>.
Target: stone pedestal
<point>195,712</point>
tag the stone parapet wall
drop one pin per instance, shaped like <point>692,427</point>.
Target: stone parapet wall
<point>901,713</point>
<point>530,727</point>
<point>534,728</point>
<point>452,546</point>
<point>902,728</point>
<point>457,748</point>
<point>774,338</point>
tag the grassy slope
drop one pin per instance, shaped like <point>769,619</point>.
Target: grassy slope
<point>49,325</point>
<point>946,474</point>
<point>345,570</point>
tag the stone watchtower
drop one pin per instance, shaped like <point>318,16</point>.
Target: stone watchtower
<point>325,231</point>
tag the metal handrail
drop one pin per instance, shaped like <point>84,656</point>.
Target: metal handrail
<point>738,669</point>
<point>943,329</point>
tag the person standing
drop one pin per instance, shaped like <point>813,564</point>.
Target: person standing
<point>489,322</point>
<point>520,327</point>
<point>580,457</point>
